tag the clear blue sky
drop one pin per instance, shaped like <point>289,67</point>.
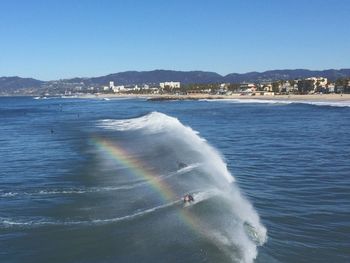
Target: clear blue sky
<point>65,38</point>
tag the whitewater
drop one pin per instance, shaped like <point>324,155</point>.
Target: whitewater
<point>226,218</point>
<point>344,103</point>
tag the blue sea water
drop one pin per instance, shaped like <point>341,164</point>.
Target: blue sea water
<point>88,180</point>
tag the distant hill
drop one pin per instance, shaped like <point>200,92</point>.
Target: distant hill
<point>11,84</point>
<point>188,77</point>
<point>156,76</point>
<point>287,74</point>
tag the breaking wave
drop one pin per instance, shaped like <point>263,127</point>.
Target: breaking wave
<point>227,220</point>
<point>277,101</point>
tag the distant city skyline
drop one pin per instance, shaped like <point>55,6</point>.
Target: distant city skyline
<point>50,40</point>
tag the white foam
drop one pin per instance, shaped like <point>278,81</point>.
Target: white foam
<point>183,170</point>
<point>276,101</point>
<point>151,123</point>
<point>246,213</point>
<point>8,194</point>
<point>156,122</point>
<point>128,217</point>
<point>200,196</point>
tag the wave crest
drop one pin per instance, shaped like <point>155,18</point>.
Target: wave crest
<point>163,141</point>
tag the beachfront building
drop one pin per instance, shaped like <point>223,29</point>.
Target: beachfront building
<point>154,90</point>
<point>318,82</point>
<point>170,84</point>
<point>342,86</point>
<point>117,89</point>
<point>331,88</point>
<point>289,87</point>
<point>285,87</point>
<point>112,88</point>
<point>247,87</point>
<point>268,87</point>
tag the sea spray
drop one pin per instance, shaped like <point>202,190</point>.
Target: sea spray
<point>228,219</point>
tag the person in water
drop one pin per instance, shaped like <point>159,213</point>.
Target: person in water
<point>188,198</point>
<point>181,165</point>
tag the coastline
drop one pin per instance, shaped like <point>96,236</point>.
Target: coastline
<point>164,97</point>
<point>200,96</point>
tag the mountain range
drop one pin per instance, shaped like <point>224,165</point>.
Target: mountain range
<point>9,84</point>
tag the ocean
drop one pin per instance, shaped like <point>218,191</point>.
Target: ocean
<point>93,180</point>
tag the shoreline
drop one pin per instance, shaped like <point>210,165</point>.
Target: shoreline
<point>168,97</point>
<point>165,97</point>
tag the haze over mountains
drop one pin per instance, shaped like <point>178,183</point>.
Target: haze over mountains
<point>8,84</point>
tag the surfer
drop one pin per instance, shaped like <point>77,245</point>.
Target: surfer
<point>181,165</point>
<point>188,198</point>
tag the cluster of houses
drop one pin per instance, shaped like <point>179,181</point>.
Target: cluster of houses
<point>312,85</point>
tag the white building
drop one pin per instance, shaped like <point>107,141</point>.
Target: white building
<point>111,85</point>
<point>319,82</point>
<point>288,87</point>
<point>331,88</point>
<point>170,84</point>
<point>117,89</point>
<point>247,87</point>
<point>268,87</point>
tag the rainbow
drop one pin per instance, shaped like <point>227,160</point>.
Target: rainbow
<point>164,190</point>
<point>123,158</point>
